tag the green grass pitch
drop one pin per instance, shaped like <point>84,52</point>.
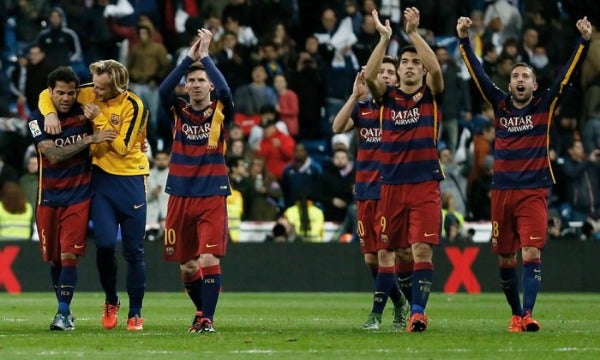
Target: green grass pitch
<point>301,326</point>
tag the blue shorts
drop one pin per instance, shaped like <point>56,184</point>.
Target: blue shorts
<point>118,200</point>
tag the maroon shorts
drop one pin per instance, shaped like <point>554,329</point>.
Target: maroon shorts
<point>519,218</point>
<point>411,213</point>
<point>368,214</point>
<point>194,226</point>
<point>62,229</point>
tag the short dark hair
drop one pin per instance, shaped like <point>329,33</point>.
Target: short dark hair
<point>391,60</point>
<point>407,48</point>
<point>64,74</point>
<point>194,67</point>
<point>524,64</point>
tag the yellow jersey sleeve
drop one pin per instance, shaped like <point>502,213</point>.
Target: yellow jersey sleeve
<point>84,95</point>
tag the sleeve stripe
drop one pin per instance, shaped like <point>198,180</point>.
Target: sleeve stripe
<point>472,72</point>
<point>136,118</point>
<point>572,67</point>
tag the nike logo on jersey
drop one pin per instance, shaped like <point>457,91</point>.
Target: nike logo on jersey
<point>135,207</point>
<point>535,237</point>
<point>365,113</point>
<point>429,235</point>
<point>78,246</point>
<point>211,245</point>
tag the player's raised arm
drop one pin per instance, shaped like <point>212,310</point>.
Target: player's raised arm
<point>376,85</point>
<point>343,119</point>
<point>434,78</point>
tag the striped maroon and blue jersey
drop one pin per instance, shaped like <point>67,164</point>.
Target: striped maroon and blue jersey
<point>409,129</point>
<point>67,182</point>
<point>197,169</point>
<point>365,116</point>
<point>521,158</point>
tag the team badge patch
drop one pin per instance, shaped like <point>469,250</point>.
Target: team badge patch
<point>208,112</point>
<point>114,119</point>
<point>417,97</point>
<point>34,127</point>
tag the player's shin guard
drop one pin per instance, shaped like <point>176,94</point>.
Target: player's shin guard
<point>136,285</point>
<point>386,278</point>
<point>510,287</point>
<point>55,276</point>
<point>532,277</point>
<point>405,273</point>
<point>66,285</point>
<point>107,268</point>
<point>193,287</point>
<point>211,285</point>
<point>421,286</point>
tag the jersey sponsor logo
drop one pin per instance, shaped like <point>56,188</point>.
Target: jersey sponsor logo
<point>114,119</point>
<point>196,132</point>
<point>405,117</point>
<point>516,123</point>
<point>34,127</point>
<point>69,140</point>
<point>370,135</point>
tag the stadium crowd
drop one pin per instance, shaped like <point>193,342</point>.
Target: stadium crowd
<point>291,65</point>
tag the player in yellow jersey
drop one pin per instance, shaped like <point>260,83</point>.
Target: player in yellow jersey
<point>118,182</point>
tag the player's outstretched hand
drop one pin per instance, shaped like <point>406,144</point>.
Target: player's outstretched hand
<point>411,16</point>
<point>359,89</point>
<point>585,28</point>
<point>205,38</point>
<point>462,26</point>
<point>385,30</point>
<point>193,50</point>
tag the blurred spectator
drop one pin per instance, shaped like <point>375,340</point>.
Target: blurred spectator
<point>239,148</point>
<point>348,226</point>
<point>156,197</point>
<point>582,172</point>
<point>238,9</point>
<point>502,74</point>
<point>482,147</point>
<point>591,133</point>
<point>308,84</point>
<point>269,54</point>
<point>99,42</point>
<point>307,219</point>
<point>288,105</point>
<point>265,199</point>
<point>454,183</point>
<point>250,98</point>
<point>337,186</point>
<point>245,35</point>
<point>240,181</point>
<point>29,180</point>
<point>148,63</point>
<point>16,214</point>
<point>505,16</point>
<point>59,42</point>
<point>8,173</point>
<point>235,212</point>
<point>276,147</point>
<point>455,100</point>
<point>452,221</point>
<point>302,175</point>
<point>268,113</point>
<point>282,232</point>
<point>230,59</point>
<point>28,21</point>
<point>480,192</point>
<point>286,45</point>
<point>563,132</point>
<point>34,76</point>
<point>368,37</point>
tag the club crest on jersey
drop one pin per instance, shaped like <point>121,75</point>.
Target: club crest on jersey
<point>34,127</point>
<point>114,119</point>
<point>418,96</point>
<point>208,112</point>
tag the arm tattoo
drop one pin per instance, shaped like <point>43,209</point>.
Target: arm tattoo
<point>57,154</point>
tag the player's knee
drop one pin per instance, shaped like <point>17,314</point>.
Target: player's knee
<point>134,255</point>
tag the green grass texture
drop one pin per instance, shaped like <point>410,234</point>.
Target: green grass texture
<point>301,326</point>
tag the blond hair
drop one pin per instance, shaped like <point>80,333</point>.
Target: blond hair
<point>116,71</point>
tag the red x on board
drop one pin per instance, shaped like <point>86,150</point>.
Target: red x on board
<point>462,274</point>
<point>7,276</point>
